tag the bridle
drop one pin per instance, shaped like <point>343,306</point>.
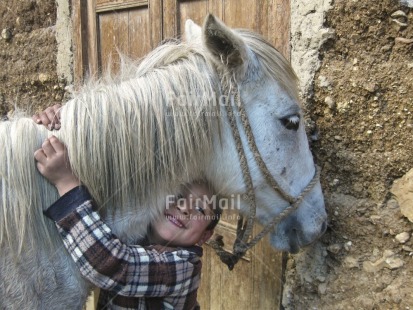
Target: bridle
<point>244,240</point>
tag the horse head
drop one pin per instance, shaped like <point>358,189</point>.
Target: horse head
<point>257,77</point>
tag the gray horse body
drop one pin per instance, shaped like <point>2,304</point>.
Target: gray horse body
<point>41,279</point>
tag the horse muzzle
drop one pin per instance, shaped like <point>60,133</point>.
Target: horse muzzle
<point>291,235</point>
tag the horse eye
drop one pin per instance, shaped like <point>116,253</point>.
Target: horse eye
<point>291,122</point>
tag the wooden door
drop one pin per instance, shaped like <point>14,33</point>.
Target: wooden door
<point>134,27</point>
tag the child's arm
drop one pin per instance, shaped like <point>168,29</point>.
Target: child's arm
<point>53,163</point>
<point>102,258</point>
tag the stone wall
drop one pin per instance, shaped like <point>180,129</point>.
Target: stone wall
<point>355,62</point>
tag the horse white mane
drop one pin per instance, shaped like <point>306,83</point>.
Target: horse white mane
<point>152,128</point>
<point>129,138</point>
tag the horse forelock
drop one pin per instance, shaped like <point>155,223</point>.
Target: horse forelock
<point>273,63</point>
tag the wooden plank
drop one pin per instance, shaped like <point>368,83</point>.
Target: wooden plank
<point>267,270</point>
<point>195,10</point>
<point>262,17</point>
<point>236,285</point>
<point>114,2</point>
<point>139,33</point>
<point>279,26</point>
<point>78,53</point>
<point>83,39</point>
<point>223,283</point>
<point>241,14</point>
<point>216,7</point>
<point>155,22</point>
<point>122,39</point>
<point>114,5</point>
<point>252,284</point>
<point>169,21</point>
<point>205,288</point>
<point>215,282</point>
<point>92,66</point>
<point>107,40</point>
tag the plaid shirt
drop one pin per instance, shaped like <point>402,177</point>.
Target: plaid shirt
<point>131,277</point>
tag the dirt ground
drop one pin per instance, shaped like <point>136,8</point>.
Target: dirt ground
<point>28,75</point>
<point>362,125</point>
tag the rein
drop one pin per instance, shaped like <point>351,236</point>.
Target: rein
<point>244,240</point>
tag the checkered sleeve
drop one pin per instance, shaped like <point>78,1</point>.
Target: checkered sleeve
<point>126,270</point>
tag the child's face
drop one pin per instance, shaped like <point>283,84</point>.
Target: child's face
<point>186,218</point>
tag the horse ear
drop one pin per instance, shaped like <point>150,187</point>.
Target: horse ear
<point>192,31</point>
<point>226,47</point>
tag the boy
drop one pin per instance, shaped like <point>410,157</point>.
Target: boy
<point>163,275</point>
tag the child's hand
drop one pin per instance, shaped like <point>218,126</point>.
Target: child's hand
<point>50,117</point>
<point>53,163</point>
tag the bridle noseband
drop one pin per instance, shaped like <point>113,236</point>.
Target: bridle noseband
<point>244,240</point>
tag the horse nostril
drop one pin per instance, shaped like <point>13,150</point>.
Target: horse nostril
<point>323,227</point>
<point>294,231</point>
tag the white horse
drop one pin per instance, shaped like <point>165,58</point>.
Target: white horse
<point>134,140</point>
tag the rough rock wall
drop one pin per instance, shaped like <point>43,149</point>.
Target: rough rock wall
<point>355,59</point>
<point>308,34</point>
<point>28,49</point>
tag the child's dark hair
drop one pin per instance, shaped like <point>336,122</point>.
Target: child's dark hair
<point>217,213</point>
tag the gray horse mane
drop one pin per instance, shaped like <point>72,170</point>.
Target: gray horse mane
<point>144,132</point>
<point>129,138</point>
